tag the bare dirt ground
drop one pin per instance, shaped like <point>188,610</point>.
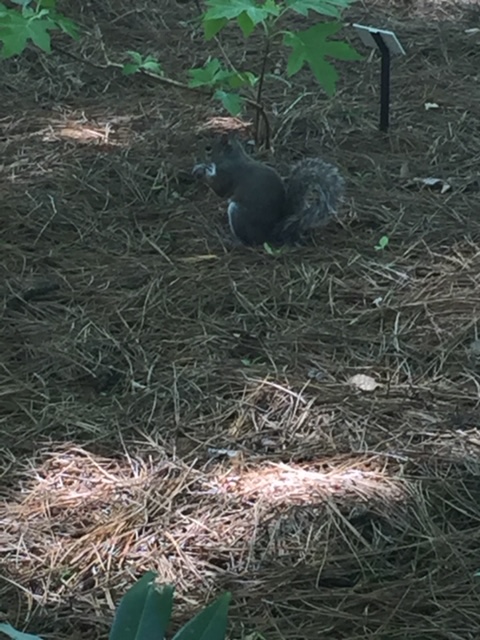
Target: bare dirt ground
<point>136,346</point>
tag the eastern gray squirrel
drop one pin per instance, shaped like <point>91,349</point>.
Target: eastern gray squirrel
<point>261,207</point>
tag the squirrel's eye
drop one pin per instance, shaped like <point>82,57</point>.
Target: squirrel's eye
<point>208,149</point>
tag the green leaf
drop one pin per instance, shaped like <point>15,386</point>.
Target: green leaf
<point>209,624</point>
<point>231,9</point>
<point>67,26</point>
<point>247,13</point>
<point>269,249</point>
<point>14,41</point>
<point>144,611</point>
<point>326,75</point>
<point>272,7</point>
<point>246,24</point>
<point>225,78</point>
<point>17,28</point>
<point>312,47</point>
<point>135,56</point>
<point>333,8</point>
<point>206,75</point>
<point>213,75</point>
<point>212,27</point>
<point>14,634</point>
<point>237,79</point>
<point>153,66</point>
<point>342,51</point>
<point>272,251</point>
<point>382,243</point>
<point>38,32</point>
<point>138,62</point>
<point>130,68</point>
<point>297,58</point>
<point>232,102</point>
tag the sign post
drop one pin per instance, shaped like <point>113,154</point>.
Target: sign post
<point>388,44</point>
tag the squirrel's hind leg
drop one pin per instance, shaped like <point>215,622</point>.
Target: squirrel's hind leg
<point>235,218</point>
<point>232,209</point>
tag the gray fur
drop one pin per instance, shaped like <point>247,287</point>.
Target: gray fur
<point>263,208</point>
<point>314,189</point>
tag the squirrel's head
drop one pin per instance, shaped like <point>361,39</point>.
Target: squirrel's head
<point>228,147</point>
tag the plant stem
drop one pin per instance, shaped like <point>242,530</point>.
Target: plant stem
<point>260,89</point>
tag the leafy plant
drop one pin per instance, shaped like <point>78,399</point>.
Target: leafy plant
<point>382,243</point>
<point>139,63</point>
<point>31,21</point>
<point>145,611</point>
<point>213,74</point>
<point>309,47</point>
<point>272,251</point>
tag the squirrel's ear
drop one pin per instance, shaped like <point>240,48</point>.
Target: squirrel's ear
<point>224,139</point>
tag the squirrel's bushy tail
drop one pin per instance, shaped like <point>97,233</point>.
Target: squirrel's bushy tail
<point>314,191</point>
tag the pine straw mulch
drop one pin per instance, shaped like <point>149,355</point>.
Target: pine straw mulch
<point>169,403</point>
